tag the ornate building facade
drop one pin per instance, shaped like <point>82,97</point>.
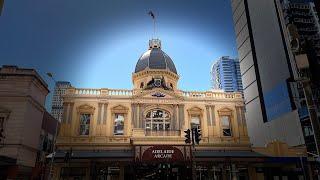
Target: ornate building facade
<point>139,133</point>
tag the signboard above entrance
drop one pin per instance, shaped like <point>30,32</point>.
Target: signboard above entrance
<point>162,153</point>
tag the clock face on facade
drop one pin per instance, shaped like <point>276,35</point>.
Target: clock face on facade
<point>157,82</point>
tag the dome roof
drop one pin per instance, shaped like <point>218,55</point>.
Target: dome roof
<point>155,58</point>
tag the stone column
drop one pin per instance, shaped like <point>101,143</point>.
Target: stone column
<point>181,116</point>
<point>138,116</point>
<point>177,117</point>
<point>213,116</point>
<point>239,116</point>
<point>99,113</point>
<point>68,112</point>
<point>105,113</point>
<point>141,118</point>
<point>65,113</point>
<point>209,120</point>
<point>243,116</point>
<point>133,115</point>
<point>173,123</point>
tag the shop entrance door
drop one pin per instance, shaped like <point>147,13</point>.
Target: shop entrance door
<point>165,171</point>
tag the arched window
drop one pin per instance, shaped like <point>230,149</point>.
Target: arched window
<point>157,120</point>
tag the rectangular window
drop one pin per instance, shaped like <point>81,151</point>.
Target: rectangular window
<point>84,124</point>
<point>118,124</point>
<point>225,125</point>
<point>195,122</point>
<point>277,101</point>
<point>308,131</point>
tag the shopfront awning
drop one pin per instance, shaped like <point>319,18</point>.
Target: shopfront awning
<point>93,154</point>
<point>245,154</point>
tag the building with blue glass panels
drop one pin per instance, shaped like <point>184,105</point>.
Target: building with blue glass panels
<point>225,75</point>
<point>267,70</point>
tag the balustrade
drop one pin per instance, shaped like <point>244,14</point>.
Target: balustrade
<point>110,92</point>
<point>162,133</point>
<point>124,92</point>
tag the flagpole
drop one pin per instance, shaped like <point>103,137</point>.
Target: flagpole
<point>154,23</point>
<point>154,27</point>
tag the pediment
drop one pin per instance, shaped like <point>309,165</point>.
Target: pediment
<point>225,111</point>
<point>119,107</point>
<point>158,93</point>
<point>86,108</point>
<point>195,110</point>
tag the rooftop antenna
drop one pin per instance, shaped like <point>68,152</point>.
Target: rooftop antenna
<point>154,23</point>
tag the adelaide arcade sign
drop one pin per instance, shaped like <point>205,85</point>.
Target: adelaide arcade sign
<point>162,153</point>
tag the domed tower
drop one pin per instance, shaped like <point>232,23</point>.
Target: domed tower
<point>155,69</point>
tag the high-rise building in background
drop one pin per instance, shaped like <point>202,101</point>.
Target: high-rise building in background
<point>267,70</point>
<point>303,27</point>
<point>57,100</point>
<point>225,75</point>
<point>303,15</point>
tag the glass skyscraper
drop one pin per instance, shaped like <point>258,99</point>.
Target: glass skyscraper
<point>225,75</point>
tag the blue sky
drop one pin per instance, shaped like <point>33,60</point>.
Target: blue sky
<point>97,43</point>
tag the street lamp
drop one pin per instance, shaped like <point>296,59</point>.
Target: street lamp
<point>55,134</point>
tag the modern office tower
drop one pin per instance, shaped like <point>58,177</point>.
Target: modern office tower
<point>303,15</point>
<point>266,70</point>
<point>57,100</point>
<point>303,26</point>
<point>225,74</point>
